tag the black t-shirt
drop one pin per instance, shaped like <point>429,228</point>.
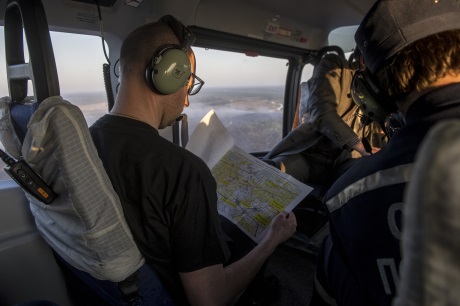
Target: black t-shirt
<point>168,197</point>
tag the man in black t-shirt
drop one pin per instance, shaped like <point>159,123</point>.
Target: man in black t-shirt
<point>167,193</point>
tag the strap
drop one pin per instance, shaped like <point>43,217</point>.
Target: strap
<point>297,122</point>
<point>129,289</point>
<point>184,34</point>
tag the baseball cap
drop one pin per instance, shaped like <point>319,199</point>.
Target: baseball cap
<point>391,25</point>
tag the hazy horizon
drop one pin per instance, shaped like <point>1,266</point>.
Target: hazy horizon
<point>252,114</point>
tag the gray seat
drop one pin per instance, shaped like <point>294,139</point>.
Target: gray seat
<point>430,267</point>
<point>84,225</point>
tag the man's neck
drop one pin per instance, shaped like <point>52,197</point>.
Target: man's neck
<point>449,79</point>
<point>444,81</point>
<point>137,105</point>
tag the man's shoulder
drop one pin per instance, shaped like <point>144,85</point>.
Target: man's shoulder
<point>375,172</point>
<point>333,60</point>
<point>188,156</point>
<point>188,163</point>
<point>362,168</point>
<point>328,64</point>
<point>145,143</point>
<point>98,122</point>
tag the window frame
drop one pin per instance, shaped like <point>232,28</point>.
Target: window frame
<point>297,58</point>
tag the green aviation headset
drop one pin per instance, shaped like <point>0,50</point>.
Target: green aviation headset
<point>170,68</point>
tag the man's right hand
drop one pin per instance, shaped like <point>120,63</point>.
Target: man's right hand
<point>282,227</point>
<point>216,285</point>
<point>359,147</point>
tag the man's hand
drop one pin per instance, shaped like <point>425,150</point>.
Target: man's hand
<point>216,285</point>
<point>359,147</point>
<point>282,227</point>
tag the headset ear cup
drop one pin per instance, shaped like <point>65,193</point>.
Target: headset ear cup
<point>149,75</point>
<point>169,70</point>
<point>369,98</point>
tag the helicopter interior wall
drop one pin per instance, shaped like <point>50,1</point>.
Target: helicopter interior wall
<point>26,261</point>
<point>305,24</point>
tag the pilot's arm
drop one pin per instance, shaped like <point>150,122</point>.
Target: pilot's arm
<point>328,90</point>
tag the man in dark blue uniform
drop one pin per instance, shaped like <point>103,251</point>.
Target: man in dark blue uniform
<point>411,49</point>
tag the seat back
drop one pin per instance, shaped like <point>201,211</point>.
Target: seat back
<point>430,266</point>
<point>85,225</point>
<point>28,269</point>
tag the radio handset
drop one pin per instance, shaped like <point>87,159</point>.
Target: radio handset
<point>28,179</point>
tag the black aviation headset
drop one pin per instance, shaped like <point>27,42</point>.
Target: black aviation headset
<point>170,68</point>
<point>370,99</point>
<point>365,92</point>
<point>374,103</point>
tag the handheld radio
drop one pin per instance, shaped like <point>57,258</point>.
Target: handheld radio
<point>28,179</point>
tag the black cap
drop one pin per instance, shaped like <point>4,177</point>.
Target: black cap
<point>391,25</point>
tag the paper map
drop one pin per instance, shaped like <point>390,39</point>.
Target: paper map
<point>250,192</point>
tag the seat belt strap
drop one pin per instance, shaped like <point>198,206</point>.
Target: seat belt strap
<point>129,289</point>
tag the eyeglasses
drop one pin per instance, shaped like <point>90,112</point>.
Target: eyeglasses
<point>195,85</point>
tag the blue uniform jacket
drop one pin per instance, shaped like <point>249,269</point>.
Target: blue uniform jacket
<point>365,204</point>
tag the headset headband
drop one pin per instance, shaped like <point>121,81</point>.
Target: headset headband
<point>185,36</point>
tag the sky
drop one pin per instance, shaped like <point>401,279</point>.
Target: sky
<point>70,53</point>
<point>79,61</point>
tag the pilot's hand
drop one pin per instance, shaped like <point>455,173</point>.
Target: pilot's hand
<point>362,149</point>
